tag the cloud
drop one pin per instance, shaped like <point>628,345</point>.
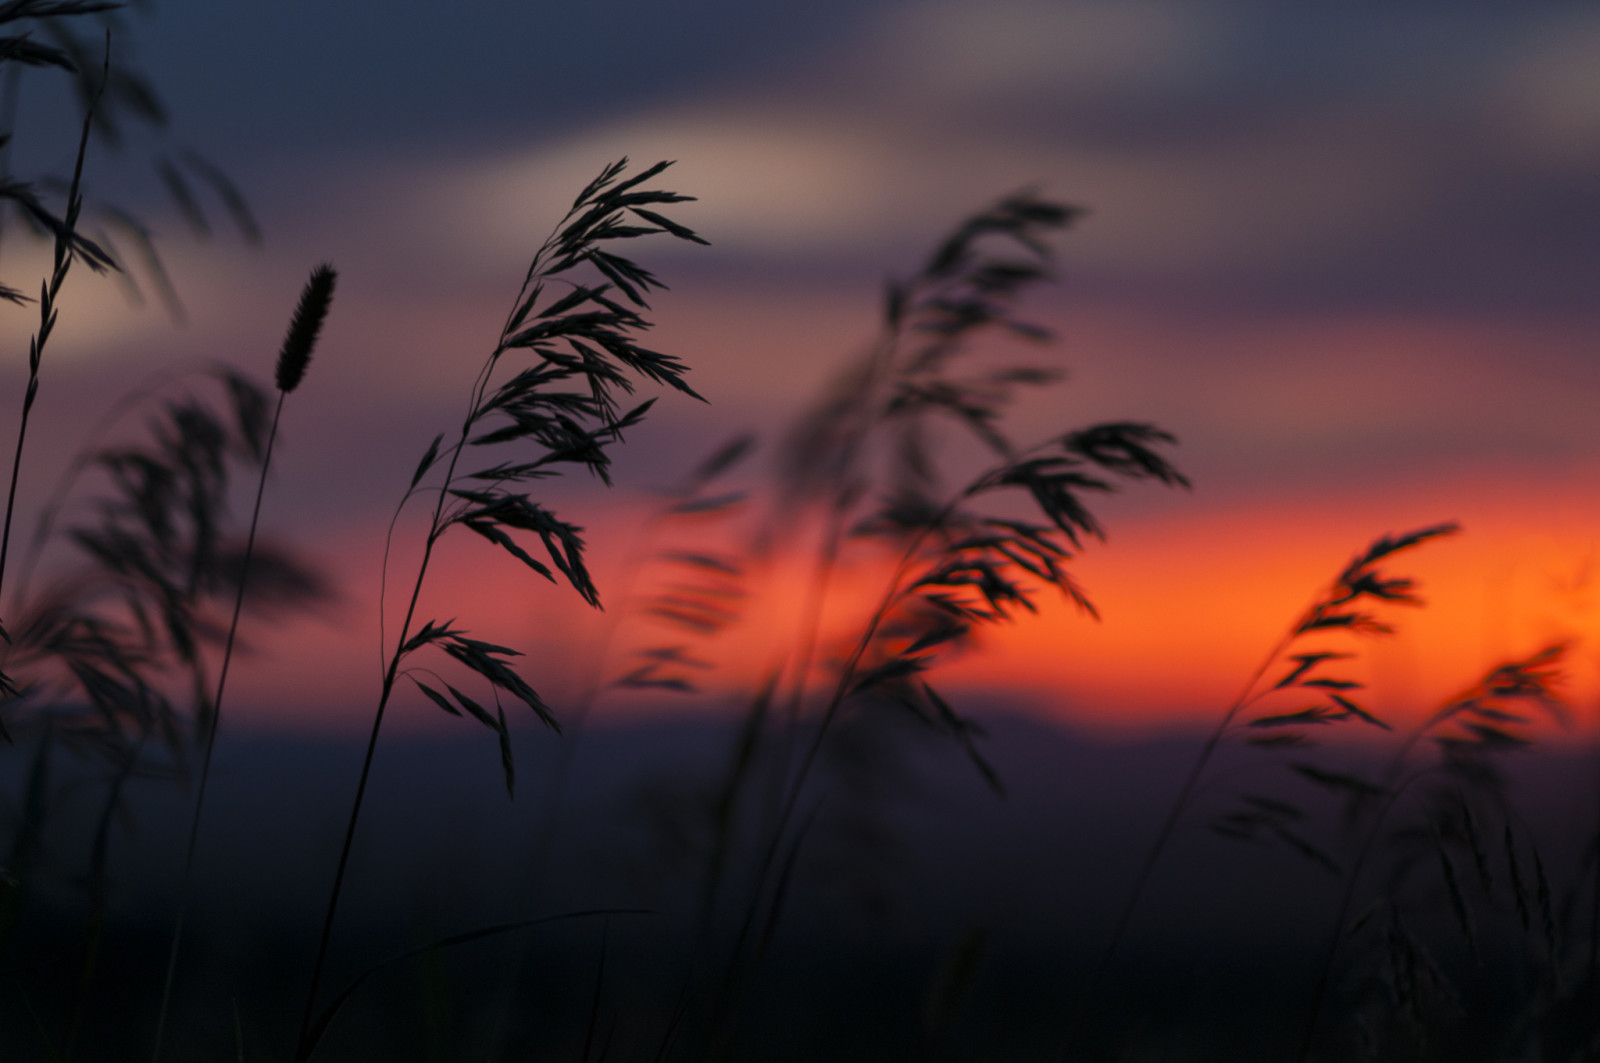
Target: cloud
<point>1546,100</point>
<point>779,184</point>
<point>965,52</point>
<point>1226,146</point>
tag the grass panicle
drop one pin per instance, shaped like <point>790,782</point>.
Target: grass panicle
<point>575,348</point>
<point>1346,605</point>
<point>871,433</point>
<point>113,650</point>
<point>70,246</point>
<point>304,326</point>
<point>862,457</point>
<point>1455,789</point>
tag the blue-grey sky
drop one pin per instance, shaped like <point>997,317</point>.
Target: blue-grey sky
<point>1446,141</point>
<point>1433,154</point>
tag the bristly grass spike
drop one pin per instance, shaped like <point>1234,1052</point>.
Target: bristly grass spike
<point>298,343</point>
<point>304,326</point>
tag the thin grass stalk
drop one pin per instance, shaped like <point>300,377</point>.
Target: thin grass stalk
<point>810,632</point>
<point>733,994</point>
<point>211,741</point>
<point>49,293</point>
<point>99,889</point>
<point>555,795</point>
<point>700,939</point>
<point>880,361</point>
<point>1354,583</point>
<point>391,673</point>
<point>1164,837</point>
<point>331,1012</point>
<point>295,354</point>
<point>678,1012</point>
<point>728,794</point>
<point>1594,894</point>
<point>847,675</point>
<point>594,218</point>
<point>1346,899</point>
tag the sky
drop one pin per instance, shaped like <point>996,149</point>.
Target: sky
<point>1345,253</point>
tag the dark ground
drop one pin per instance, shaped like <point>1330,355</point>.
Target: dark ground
<point>912,874</point>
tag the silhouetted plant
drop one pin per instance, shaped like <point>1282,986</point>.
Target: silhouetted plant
<point>113,658</point>
<point>687,591</point>
<point>1343,607</point>
<point>153,563</point>
<point>869,434</point>
<point>961,563</point>
<point>69,246</point>
<point>961,568</point>
<point>111,652</point>
<point>124,107</point>
<point>699,590</point>
<point>861,457</point>
<point>1463,819</point>
<point>584,337</point>
<point>293,359</point>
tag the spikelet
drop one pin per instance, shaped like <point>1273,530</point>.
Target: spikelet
<point>304,326</point>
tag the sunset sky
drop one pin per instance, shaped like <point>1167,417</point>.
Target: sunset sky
<point>1348,254</point>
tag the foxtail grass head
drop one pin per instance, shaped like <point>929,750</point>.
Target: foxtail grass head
<point>304,326</point>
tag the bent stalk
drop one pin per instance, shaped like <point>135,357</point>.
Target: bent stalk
<point>1331,611</point>
<point>585,336</point>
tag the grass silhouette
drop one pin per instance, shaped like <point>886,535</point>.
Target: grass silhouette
<point>111,665</point>
<point>1470,731</point>
<point>293,360</point>
<point>584,337</point>
<point>1340,608</point>
<point>69,247</point>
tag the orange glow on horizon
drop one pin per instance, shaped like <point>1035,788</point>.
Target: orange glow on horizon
<point>1191,601</point>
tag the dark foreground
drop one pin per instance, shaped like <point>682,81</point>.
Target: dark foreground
<point>925,918</point>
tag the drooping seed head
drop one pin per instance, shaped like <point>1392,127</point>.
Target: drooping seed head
<point>304,326</point>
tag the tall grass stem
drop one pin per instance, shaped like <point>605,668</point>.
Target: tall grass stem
<point>47,309</point>
<point>210,745</point>
<point>303,1046</point>
<point>1163,838</point>
<point>293,357</point>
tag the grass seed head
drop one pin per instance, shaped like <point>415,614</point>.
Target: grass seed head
<point>304,326</point>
